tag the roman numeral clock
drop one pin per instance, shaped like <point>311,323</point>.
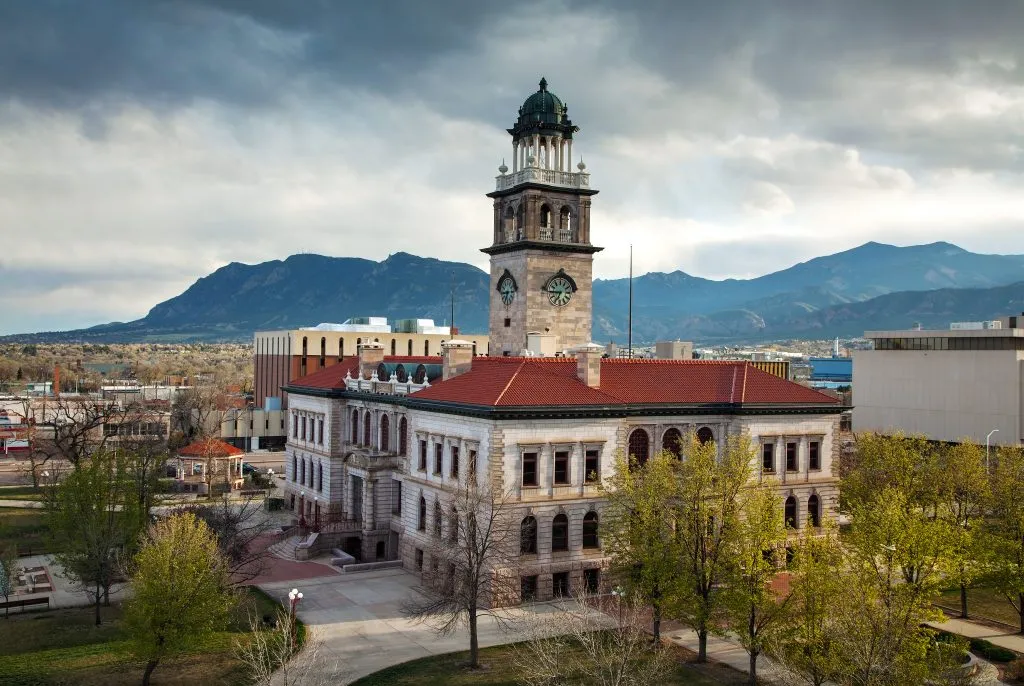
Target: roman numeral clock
<point>559,289</point>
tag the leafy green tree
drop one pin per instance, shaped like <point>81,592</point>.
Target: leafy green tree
<point>806,645</point>
<point>639,535</point>
<point>754,609</point>
<point>707,526</point>
<point>93,518</point>
<point>180,592</point>
<point>1007,528</point>
<point>907,464</point>
<point>964,495</point>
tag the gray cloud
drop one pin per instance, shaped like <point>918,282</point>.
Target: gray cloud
<point>147,143</point>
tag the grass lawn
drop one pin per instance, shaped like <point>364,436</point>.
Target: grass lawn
<point>982,603</point>
<point>26,527</point>
<point>499,670</point>
<point>21,493</point>
<point>65,647</point>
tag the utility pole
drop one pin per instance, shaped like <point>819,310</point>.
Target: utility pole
<point>453,304</point>
<point>630,316</point>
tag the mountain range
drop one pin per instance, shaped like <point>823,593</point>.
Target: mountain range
<point>873,286</point>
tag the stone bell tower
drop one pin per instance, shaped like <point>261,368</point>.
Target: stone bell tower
<point>541,257</point>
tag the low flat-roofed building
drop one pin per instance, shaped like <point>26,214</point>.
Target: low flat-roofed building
<point>944,384</point>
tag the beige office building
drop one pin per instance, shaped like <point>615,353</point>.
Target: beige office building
<point>944,384</point>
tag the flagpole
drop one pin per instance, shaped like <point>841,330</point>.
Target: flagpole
<point>630,324</point>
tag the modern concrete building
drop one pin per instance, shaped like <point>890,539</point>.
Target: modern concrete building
<point>378,445</point>
<point>944,384</point>
<point>281,356</point>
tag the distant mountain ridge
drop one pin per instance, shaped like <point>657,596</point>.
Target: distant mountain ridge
<point>871,286</point>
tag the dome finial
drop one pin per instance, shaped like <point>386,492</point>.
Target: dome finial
<point>543,84</point>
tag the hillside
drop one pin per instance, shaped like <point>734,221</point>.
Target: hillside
<point>871,286</point>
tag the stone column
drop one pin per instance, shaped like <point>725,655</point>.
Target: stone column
<point>515,156</point>
<point>569,168</point>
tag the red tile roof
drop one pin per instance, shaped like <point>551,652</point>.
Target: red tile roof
<point>210,447</point>
<point>539,381</point>
<point>505,381</point>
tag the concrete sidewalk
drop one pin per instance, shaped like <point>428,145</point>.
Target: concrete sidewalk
<point>1004,638</point>
<point>30,504</point>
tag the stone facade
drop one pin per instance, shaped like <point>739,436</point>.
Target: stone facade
<point>531,311</point>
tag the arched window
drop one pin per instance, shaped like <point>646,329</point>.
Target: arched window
<point>359,342</point>
<point>304,361</point>
<point>426,348</point>
<point>704,434</point>
<point>366,428</point>
<point>438,519</point>
<point>559,533</point>
<point>790,512</point>
<point>545,217</point>
<point>590,539</point>
<point>323,352</point>
<point>355,426</point>
<point>672,442</point>
<point>385,428</point>
<point>565,219</point>
<point>401,374</point>
<point>453,525</point>
<point>382,372</point>
<point>403,437</point>
<point>509,224</point>
<point>639,446</point>
<point>422,523</point>
<point>394,343</point>
<point>341,348</point>
<point>813,511</point>
<point>474,348</point>
<point>420,375</point>
<point>410,348</point>
<point>528,536</point>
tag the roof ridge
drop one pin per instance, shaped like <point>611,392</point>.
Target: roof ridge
<point>743,389</point>
<point>511,378</point>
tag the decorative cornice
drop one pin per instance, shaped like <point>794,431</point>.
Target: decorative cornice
<point>546,246</point>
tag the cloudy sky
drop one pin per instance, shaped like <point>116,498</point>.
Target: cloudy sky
<point>144,143</point>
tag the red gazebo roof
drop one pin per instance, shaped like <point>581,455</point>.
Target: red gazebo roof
<point>211,447</point>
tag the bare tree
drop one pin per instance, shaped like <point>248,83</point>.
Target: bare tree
<point>191,413</point>
<point>579,644</point>
<point>240,528</point>
<point>269,648</point>
<point>474,563</point>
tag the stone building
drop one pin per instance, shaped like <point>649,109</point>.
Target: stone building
<point>378,443</point>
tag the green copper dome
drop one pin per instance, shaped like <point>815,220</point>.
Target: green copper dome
<point>545,114</point>
<point>543,107</point>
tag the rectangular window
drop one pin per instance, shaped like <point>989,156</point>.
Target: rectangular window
<point>560,584</point>
<point>295,426</point>
<point>423,456</point>
<point>592,466</point>
<point>814,455</point>
<point>320,431</point>
<point>508,323</point>
<point>472,464</point>
<point>303,434</point>
<point>303,479</point>
<point>529,469</point>
<point>320,477</point>
<point>768,457</point>
<point>562,467</point>
<point>419,559</point>
<point>455,461</point>
<point>791,465</point>
<point>396,497</point>
<point>438,457</point>
<point>592,579</point>
<point>528,588</point>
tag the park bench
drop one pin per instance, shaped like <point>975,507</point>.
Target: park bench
<point>45,600</point>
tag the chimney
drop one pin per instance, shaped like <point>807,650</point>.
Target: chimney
<point>457,356</point>
<point>56,381</point>
<point>371,354</point>
<point>588,363</point>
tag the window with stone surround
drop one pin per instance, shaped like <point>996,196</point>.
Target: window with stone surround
<point>385,430</point>
<point>560,584</point>
<point>528,536</point>
<point>528,588</point>
<point>705,434</point>
<point>592,466</point>
<point>768,456</point>
<point>814,455</point>
<point>672,442</point>
<point>530,469</point>
<point>366,428</point>
<point>454,461</point>
<point>304,436</point>
<point>813,511</point>
<point>354,437</point>
<point>422,523</point>
<point>472,465</point>
<point>561,467</point>
<point>419,559</point>
<point>791,461</point>
<point>590,538</point>
<point>320,431</point>
<point>295,425</point>
<point>592,580</point>
<point>320,476</point>
<point>438,457</point>
<point>423,455</point>
<point>639,446</point>
<point>403,437</point>
<point>559,533</point>
<point>438,519</point>
<point>790,514</point>
<point>453,525</point>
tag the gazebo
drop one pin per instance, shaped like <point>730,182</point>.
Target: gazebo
<point>206,462</point>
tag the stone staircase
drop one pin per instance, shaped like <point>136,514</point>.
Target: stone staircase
<point>285,549</point>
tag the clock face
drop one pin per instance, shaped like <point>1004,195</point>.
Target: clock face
<point>559,291</point>
<point>507,289</point>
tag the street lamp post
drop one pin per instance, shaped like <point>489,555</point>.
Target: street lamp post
<point>618,593</point>
<point>987,447</point>
<point>294,596</point>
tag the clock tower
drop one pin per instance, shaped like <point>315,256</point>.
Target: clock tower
<point>541,257</point>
